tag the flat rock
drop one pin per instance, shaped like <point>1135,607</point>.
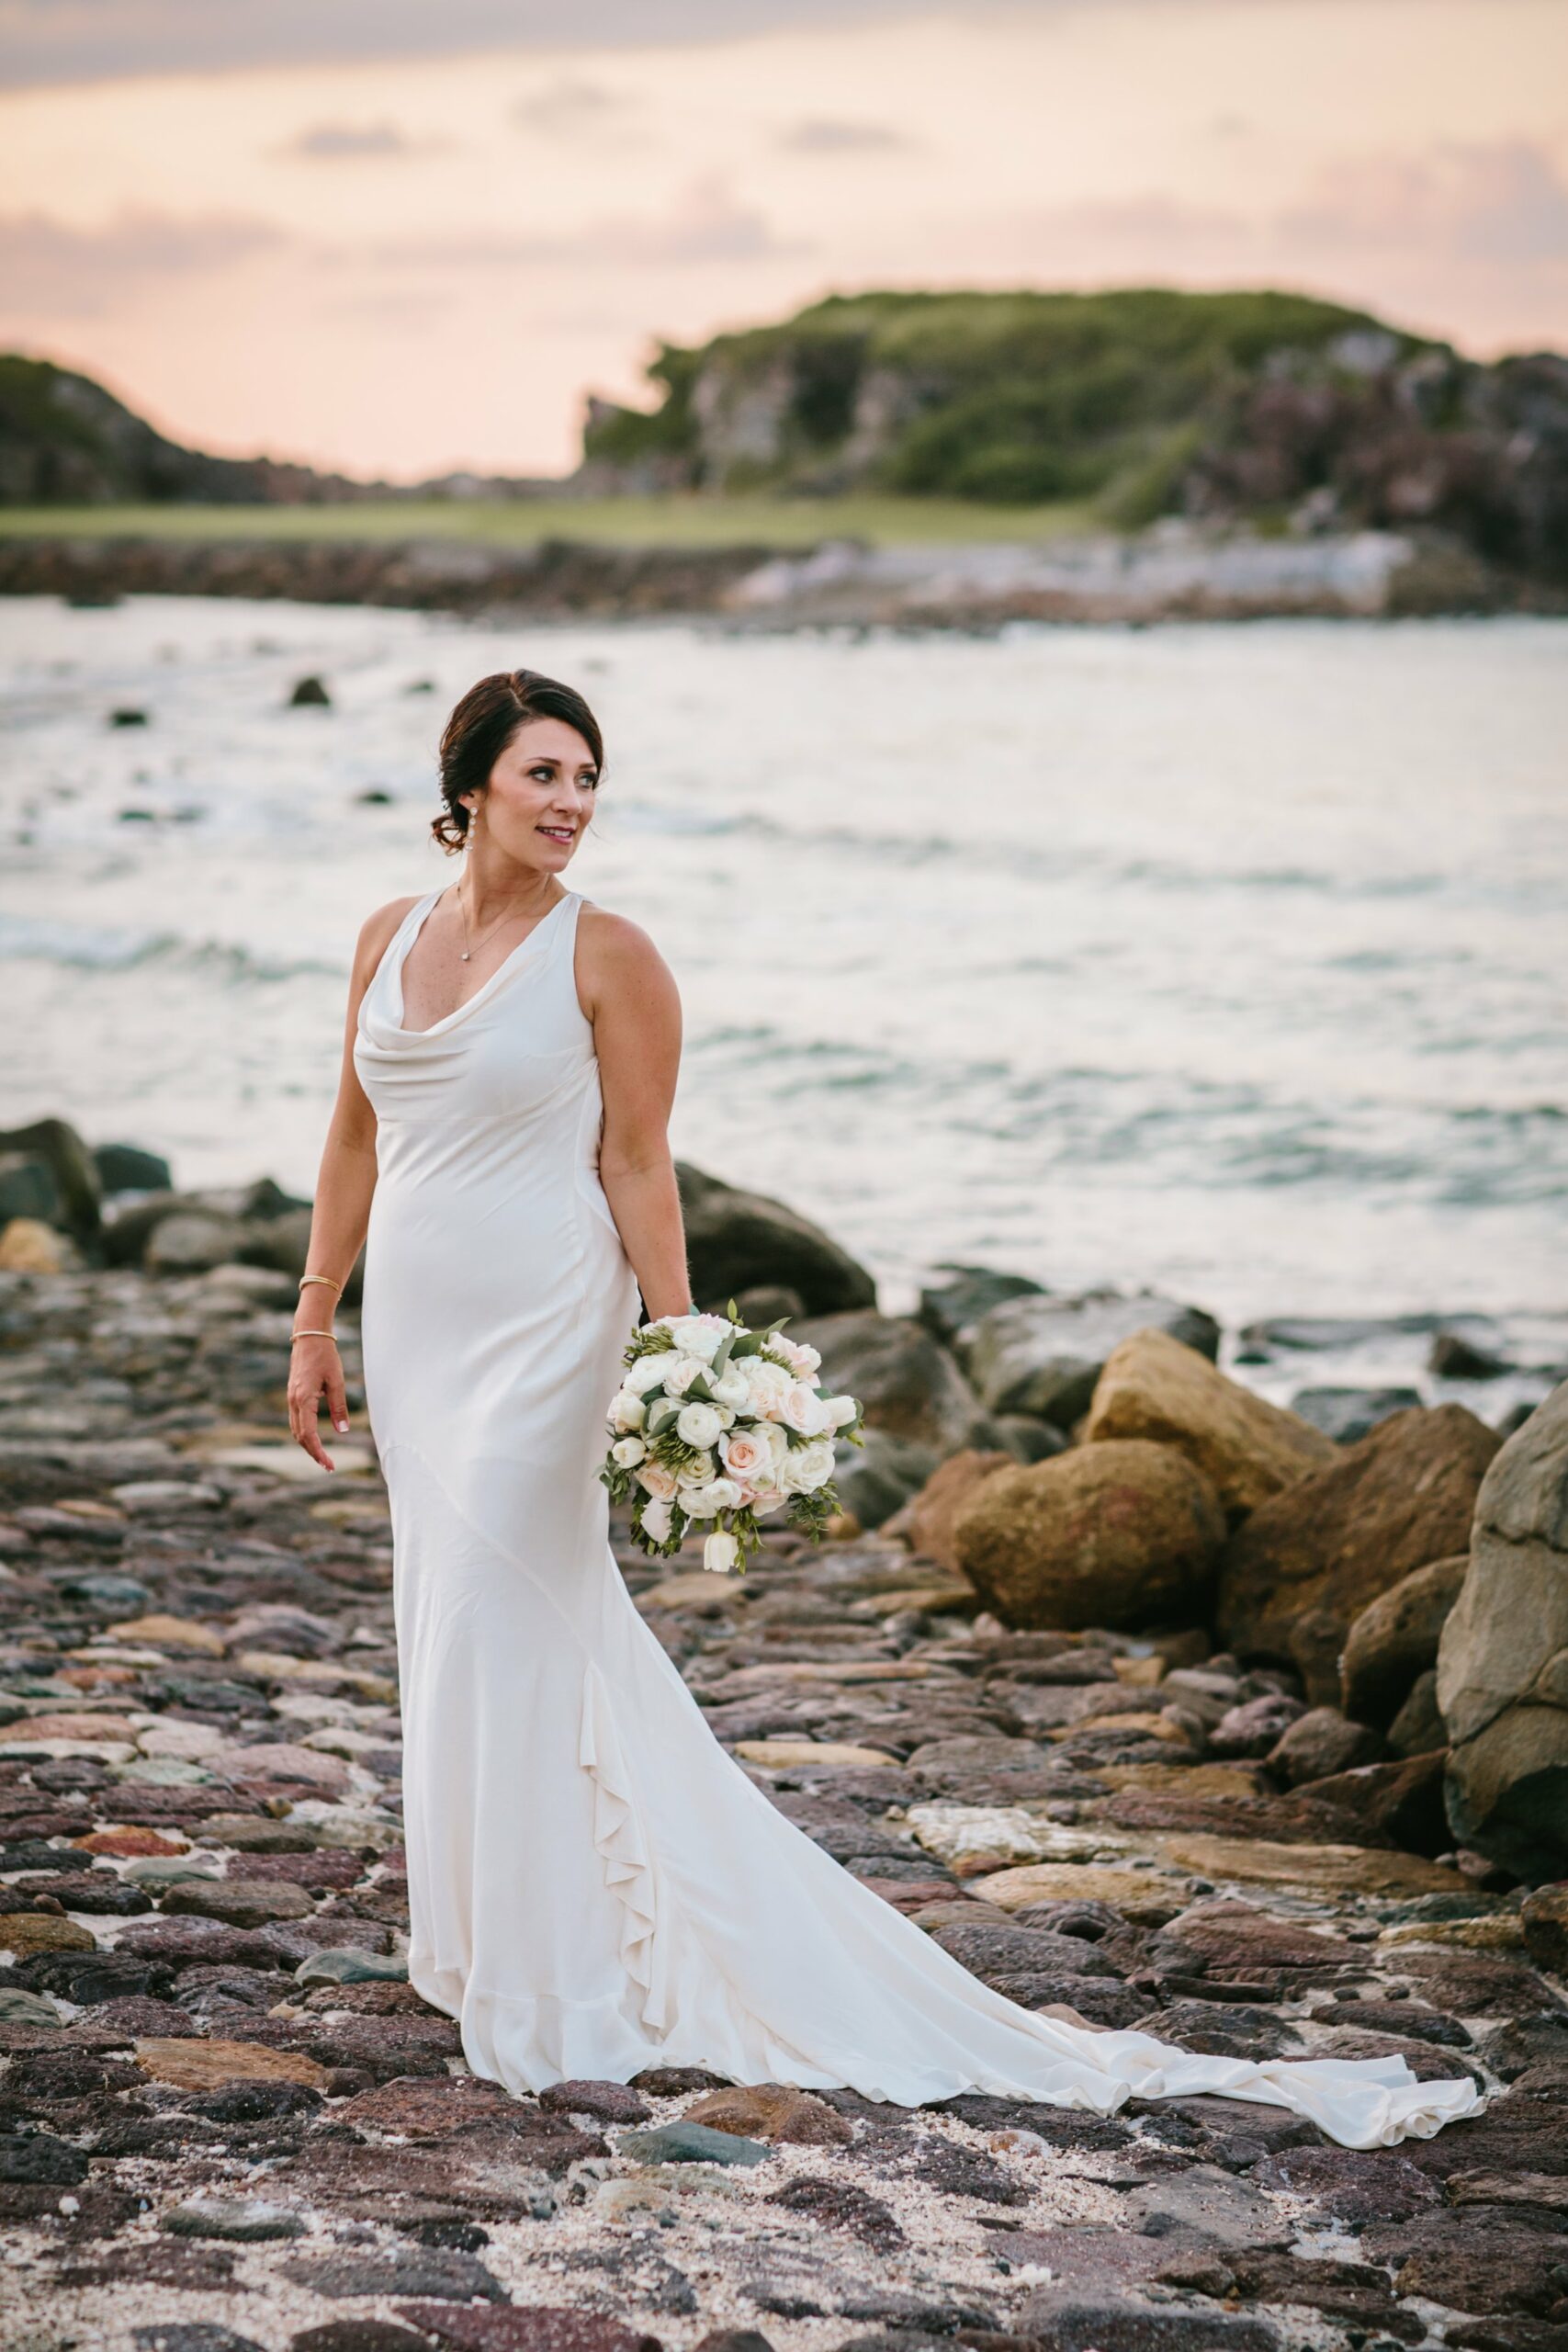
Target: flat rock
<point>201,2066</point>
<point>771,2111</point>
<point>690,2143</point>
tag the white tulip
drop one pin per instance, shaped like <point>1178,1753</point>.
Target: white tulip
<point>628,1452</point>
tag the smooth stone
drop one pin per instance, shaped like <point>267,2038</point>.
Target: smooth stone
<point>245,2217</point>
<point>772,2112</point>
<point>1154,1386</point>
<point>202,2065</point>
<point>342,1964</point>
<point>690,2143</point>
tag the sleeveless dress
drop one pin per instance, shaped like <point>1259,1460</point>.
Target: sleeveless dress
<point>596,1886</point>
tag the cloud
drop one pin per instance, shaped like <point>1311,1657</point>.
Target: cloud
<point>1501,201</point>
<point>568,106</point>
<point>353,142</point>
<point>707,225</point>
<point>822,136</point>
<point>52,269</point>
<point>54,41</point>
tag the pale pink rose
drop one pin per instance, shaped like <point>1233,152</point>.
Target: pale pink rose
<point>657,1479</point>
<point>801,1358</point>
<point>802,1411</point>
<point>744,1453</point>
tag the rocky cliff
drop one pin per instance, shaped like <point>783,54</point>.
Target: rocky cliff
<point>1144,403</point>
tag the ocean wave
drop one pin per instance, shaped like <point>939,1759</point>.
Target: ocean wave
<point>84,948</point>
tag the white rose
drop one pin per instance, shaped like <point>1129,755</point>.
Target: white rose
<point>626,1412</point>
<point>720,1552</point>
<point>766,1503</point>
<point>698,1424</point>
<point>801,1357</point>
<point>778,1444</point>
<point>656,1521</point>
<point>808,1466</point>
<point>840,1411</point>
<point>698,1335</point>
<point>700,1469</point>
<point>731,1387</point>
<point>680,1372</point>
<point>657,1479</point>
<point>628,1452</point>
<point>647,1373</point>
<point>802,1411</point>
<point>745,1453</point>
<point>708,1500</point>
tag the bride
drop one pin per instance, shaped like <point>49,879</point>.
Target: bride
<point>594,1886</point>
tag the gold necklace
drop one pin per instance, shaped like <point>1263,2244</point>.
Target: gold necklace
<point>467,950</point>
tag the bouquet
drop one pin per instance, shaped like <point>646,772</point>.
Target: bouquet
<point>718,1425</point>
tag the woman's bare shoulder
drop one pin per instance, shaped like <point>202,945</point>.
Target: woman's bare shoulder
<point>617,954</point>
<point>376,928</point>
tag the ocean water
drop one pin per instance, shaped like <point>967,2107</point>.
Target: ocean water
<point>1224,959</point>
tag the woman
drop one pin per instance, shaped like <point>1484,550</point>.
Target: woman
<point>594,1886</point>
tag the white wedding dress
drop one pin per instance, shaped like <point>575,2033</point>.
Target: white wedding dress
<point>594,1886</point>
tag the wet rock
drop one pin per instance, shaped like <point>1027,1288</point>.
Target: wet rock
<point>1153,1386</point>
<point>1396,1500</point>
<point>1044,1356</point>
<point>1347,1414</point>
<point>910,1385</point>
<point>1391,1644</point>
<point>1257,1726</point>
<point>771,2111</point>
<point>736,1238</point>
<point>1503,1663</point>
<point>1115,1533</point>
<point>341,1964</point>
<point>1321,1744</point>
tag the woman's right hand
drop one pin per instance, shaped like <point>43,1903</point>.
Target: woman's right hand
<point>315,1372</point>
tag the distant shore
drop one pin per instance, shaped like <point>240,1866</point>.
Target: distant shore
<point>1172,572</point>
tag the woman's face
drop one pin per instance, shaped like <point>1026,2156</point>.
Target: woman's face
<point>540,800</point>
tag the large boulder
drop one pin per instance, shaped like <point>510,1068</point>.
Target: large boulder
<point>1156,1386</point>
<point>737,1239</point>
<point>951,1309</point>
<point>65,1162</point>
<point>1394,1641</point>
<point>906,1381</point>
<point>1397,1499</point>
<point>1125,1533</point>
<point>1503,1659</point>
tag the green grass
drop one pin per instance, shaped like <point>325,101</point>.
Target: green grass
<point>688,521</point>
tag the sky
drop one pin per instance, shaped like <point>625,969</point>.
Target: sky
<point>398,237</point>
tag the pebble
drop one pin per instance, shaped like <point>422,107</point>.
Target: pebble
<point>229,2124</point>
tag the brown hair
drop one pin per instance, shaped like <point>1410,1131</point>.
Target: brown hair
<point>484,722</point>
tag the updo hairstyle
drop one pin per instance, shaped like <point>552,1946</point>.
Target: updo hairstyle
<point>483,724</point>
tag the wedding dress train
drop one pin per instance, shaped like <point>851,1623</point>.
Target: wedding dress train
<point>594,1886</point>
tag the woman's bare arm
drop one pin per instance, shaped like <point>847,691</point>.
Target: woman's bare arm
<point>341,1215</point>
<point>627,991</point>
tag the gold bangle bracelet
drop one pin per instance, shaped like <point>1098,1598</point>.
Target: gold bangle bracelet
<point>320,1278</point>
<point>315,1335</point>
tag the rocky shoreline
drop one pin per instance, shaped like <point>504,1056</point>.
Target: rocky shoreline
<point>1148,1700</point>
<point>1175,571</point>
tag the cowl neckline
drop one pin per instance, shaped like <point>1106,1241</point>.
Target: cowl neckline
<point>390,975</point>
